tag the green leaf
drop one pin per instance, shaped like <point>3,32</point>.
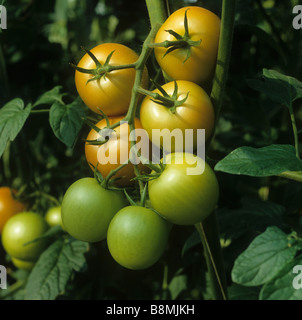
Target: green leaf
<point>177,285</point>
<point>54,268</point>
<point>12,118</point>
<point>278,87</point>
<point>260,162</point>
<point>66,121</point>
<point>264,258</point>
<point>282,287</point>
<point>50,97</point>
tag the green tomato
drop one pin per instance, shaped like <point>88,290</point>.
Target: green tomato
<point>87,209</point>
<point>137,237</point>
<point>53,216</point>
<point>21,264</point>
<point>182,194</point>
<point>21,229</point>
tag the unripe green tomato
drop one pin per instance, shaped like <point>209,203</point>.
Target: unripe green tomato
<point>21,229</point>
<point>87,209</point>
<point>182,194</point>
<point>53,216</point>
<point>21,264</point>
<point>137,237</point>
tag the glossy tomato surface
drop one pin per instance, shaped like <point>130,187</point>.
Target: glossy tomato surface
<point>87,209</point>
<point>182,194</point>
<point>137,237</point>
<point>195,113</point>
<point>111,93</point>
<point>203,25</point>
<point>21,229</point>
<point>115,152</point>
<point>53,216</point>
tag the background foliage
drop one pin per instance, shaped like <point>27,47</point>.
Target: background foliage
<point>261,213</point>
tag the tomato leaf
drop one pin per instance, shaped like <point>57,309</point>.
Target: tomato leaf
<point>50,96</point>
<point>12,118</point>
<point>260,162</point>
<point>264,258</point>
<point>54,268</point>
<point>278,87</point>
<point>177,285</point>
<point>286,285</point>
<point>66,120</point>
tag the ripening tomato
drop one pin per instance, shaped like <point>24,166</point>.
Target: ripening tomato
<point>111,93</point>
<point>203,25</point>
<point>19,232</point>
<point>113,153</point>
<point>195,113</point>
<point>190,189</point>
<point>9,206</point>
<point>137,237</point>
<point>87,209</point>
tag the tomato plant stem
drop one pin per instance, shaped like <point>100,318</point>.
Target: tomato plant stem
<point>224,54</point>
<point>157,11</point>
<point>209,227</point>
<point>295,131</point>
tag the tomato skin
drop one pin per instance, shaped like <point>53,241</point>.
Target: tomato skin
<point>203,25</point>
<point>53,216</point>
<point>21,264</point>
<point>20,229</point>
<point>196,113</point>
<point>122,145</point>
<point>111,94</point>
<point>87,209</point>
<point>9,206</point>
<point>137,237</point>
<point>188,199</point>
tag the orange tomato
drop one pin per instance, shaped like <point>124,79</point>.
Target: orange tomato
<point>111,93</point>
<point>203,25</point>
<point>9,206</point>
<point>113,150</point>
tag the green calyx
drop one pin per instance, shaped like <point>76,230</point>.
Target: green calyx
<point>101,70</point>
<point>182,42</point>
<point>164,99</point>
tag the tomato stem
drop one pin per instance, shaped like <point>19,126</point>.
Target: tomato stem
<point>210,231</point>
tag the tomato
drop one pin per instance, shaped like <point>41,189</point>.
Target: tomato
<point>87,209</point>
<point>21,264</point>
<point>9,206</point>
<point>189,196</point>
<point>200,66</point>
<point>53,216</point>
<point>113,150</point>
<point>21,229</point>
<point>137,237</point>
<point>111,93</point>
<point>195,113</point>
